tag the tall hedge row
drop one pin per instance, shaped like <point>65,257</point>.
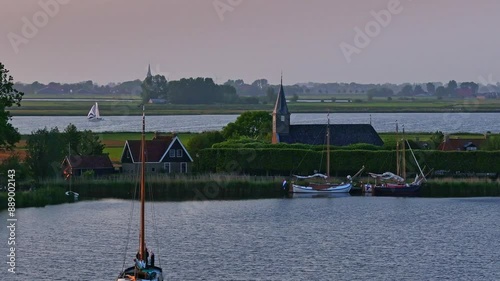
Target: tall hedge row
<point>286,161</point>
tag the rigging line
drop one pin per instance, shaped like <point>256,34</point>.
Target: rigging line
<point>153,217</point>
<point>304,157</point>
<point>155,233</point>
<point>130,222</point>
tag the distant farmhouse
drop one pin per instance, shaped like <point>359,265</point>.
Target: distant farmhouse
<point>76,165</point>
<point>460,144</point>
<point>340,134</point>
<point>164,154</point>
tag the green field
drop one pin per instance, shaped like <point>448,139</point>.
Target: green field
<point>360,103</point>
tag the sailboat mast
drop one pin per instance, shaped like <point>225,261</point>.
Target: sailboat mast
<point>328,147</point>
<point>142,242</point>
<point>404,155</point>
<point>398,160</point>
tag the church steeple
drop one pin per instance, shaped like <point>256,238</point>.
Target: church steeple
<point>149,72</point>
<point>281,115</point>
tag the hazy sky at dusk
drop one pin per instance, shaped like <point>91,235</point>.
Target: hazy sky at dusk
<point>114,40</point>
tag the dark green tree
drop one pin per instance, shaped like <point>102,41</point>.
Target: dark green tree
<point>491,143</point>
<point>418,90</point>
<point>271,95</point>
<point>436,139</point>
<point>441,91</point>
<point>45,153</point>
<point>229,94</point>
<point>204,140</point>
<point>47,149</point>
<point>407,90</point>
<point>196,91</point>
<point>431,88</point>
<point>14,162</point>
<point>9,96</point>
<point>452,88</point>
<point>73,138</point>
<point>90,144</point>
<point>154,87</point>
<point>252,124</point>
<point>260,83</point>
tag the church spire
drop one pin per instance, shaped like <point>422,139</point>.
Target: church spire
<point>149,72</point>
<point>281,107</point>
<point>281,115</point>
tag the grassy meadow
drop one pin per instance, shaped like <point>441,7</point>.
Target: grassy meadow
<point>128,105</point>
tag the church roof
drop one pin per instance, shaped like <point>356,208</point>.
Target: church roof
<point>281,107</point>
<point>340,134</point>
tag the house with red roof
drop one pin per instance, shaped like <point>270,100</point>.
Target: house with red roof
<point>163,154</point>
<point>76,165</point>
<point>460,144</point>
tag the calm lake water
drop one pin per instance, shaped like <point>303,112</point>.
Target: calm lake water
<point>350,238</point>
<point>382,122</point>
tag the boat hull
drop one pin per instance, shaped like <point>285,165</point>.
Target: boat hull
<point>323,188</point>
<point>95,119</point>
<point>151,273</point>
<point>396,190</point>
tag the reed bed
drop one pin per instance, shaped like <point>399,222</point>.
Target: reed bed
<point>163,187</point>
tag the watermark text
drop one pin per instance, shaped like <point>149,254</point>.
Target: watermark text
<point>11,220</point>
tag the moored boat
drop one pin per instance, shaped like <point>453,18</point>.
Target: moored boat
<point>390,184</point>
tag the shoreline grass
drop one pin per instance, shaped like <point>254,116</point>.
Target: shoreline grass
<point>212,187</point>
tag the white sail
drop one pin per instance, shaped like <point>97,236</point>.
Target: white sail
<point>91,114</point>
<point>97,115</point>
<point>94,114</point>
<point>317,175</point>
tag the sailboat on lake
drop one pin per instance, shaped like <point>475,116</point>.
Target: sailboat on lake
<point>144,268</point>
<point>391,184</point>
<point>94,114</point>
<point>322,186</point>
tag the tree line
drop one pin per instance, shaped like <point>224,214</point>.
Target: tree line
<point>452,90</point>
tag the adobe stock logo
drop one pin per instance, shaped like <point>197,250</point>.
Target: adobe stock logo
<point>363,37</point>
<point>224,6</point>
<point>30,28</point>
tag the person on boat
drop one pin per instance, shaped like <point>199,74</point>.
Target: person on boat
<point>140,264</point>
<point>283,186</point>
<point>152,258</point>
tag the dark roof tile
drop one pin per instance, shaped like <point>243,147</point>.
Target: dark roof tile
<point>90,162</point>
<point>340,134</point>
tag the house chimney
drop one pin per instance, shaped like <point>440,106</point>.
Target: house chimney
<point>446,138</point>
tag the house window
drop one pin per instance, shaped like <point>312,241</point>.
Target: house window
<point>184,167</point>
<point>167,166</point>
<point>172,153</point>
<point>282,118</point>
<point>153,169</point>
<point>179,152</point>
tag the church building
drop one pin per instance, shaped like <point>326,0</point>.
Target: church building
<point>315,134</point>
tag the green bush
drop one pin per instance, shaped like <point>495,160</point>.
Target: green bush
<point>285,161</point>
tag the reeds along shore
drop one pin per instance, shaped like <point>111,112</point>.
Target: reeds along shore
<point>212,187</point>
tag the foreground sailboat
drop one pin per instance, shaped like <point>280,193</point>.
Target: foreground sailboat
<point>326,186</point>
<point>144,268</point>
<point>94,114</point>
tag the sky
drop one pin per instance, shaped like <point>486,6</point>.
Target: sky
<point>362,41</point>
